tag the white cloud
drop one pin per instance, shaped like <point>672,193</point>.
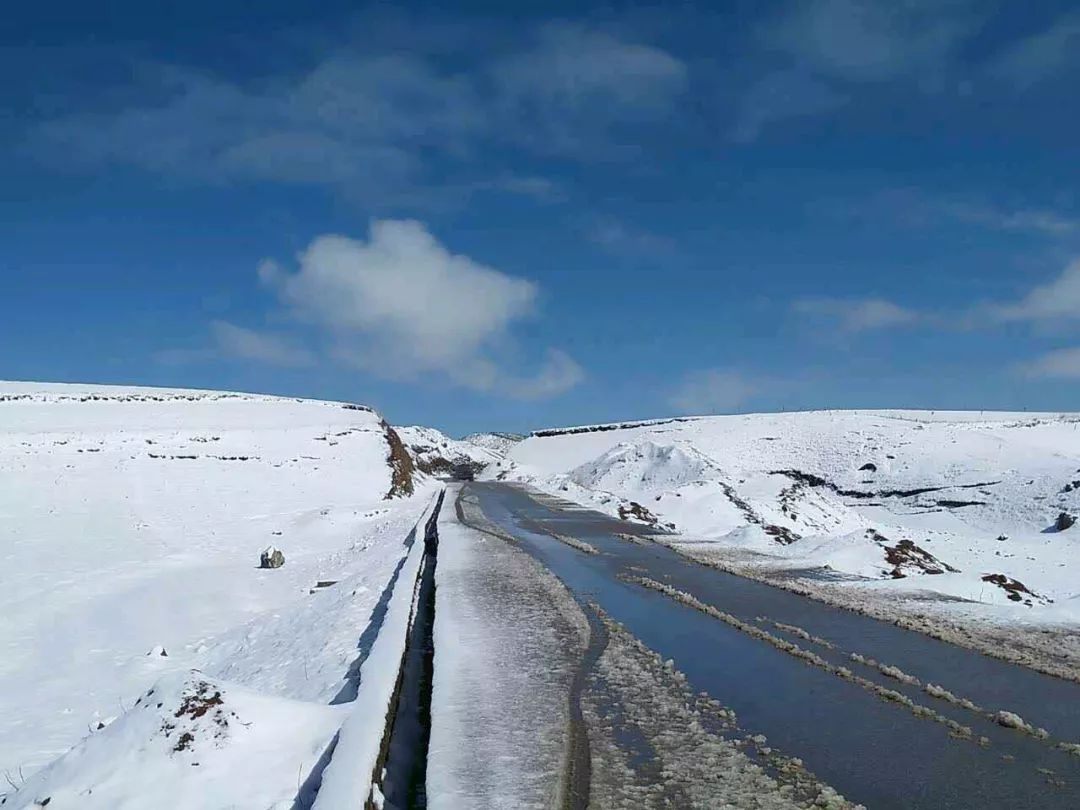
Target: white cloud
<point>1061,363</point>
<point>400,305</point>
<point>370,123</point>
<point>869,40</point>
<point>576,85</point>
<point>713,391</point>
<point>558,373</point>
<point>619,239</point>
<point>404,289</point>
<point>351,121</point>
<point>857,314</point>
<point>1058,299</point>
<point>1040,55</point>
<point>572,67</point>
<point>1050,223</point>
<point>247,344</point>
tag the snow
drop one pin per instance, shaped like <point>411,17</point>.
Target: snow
<point>347,780</point>
<point>508,637</point>
<point>733,485</point>
<point>434,451</point>
<point>131,524</point>
<point>499,443</point>
<point>190,742</point>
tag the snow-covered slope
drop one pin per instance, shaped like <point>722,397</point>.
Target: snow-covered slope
<point>499,443</point>
<point>963,504</point>
<point>131,525</point>
<point>190,741</point>
<point>435,453</point>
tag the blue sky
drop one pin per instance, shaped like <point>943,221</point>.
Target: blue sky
<point>479,218</point>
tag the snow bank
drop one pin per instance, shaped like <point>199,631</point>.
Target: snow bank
<point>347,780</point>
<point>870,497</point>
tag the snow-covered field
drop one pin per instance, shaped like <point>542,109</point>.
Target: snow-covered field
<point>131,526</point>
<point>933,508</point>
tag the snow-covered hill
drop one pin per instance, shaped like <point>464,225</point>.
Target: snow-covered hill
<point>971,506</point>
<point>500,443</point>
<point>131,526</point>
<point>435,453</point>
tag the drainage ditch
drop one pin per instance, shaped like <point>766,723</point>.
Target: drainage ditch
<point>401,770</point>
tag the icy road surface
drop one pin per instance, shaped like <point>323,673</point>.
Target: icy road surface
<point>888,717</point>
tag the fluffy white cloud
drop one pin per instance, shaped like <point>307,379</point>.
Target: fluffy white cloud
<point>857,314</point>
<point>247,344</point>
<point>1061,363</point>
<point>1058,299</point>
<point>713,391</point>
<point>401,305</point>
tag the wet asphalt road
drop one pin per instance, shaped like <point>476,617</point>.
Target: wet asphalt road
<point>874,751</point>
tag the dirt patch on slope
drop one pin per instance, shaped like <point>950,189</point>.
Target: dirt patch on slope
<point>1016,590</point>
<point>906,558</point>
<point>401,465</point>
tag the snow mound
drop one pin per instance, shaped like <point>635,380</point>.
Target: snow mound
<point>643,466</point>
<point>190,742</point>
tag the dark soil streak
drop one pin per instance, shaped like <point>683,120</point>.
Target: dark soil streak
<point>812,480</point>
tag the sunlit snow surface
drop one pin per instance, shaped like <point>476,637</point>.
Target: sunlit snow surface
<point>725,484</point>
<point>131,522</point>
<point>191,742</point>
